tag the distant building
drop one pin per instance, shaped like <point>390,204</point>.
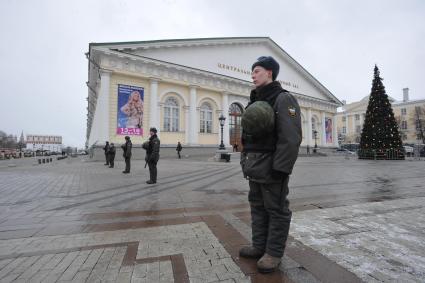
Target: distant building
<point>409,114</point>
<point>44,142</point>
<point>182,86</point>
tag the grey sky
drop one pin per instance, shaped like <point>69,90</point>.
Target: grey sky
<point>44,69</point>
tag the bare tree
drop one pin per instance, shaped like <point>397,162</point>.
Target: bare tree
<point>419,122</point>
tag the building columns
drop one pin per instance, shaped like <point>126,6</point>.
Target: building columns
<point>186,123</point>
<point>154,115</point>
<point>334,131</point>
<point>103,106</point>
<point>193,137</point>
<point>309,128</point>
<point>346,125</point>
<point>323,130</point>
<point>225,111</point>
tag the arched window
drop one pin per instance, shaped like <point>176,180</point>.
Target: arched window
<point>235,109</point>
<point>171,115</point>
<point>235,128</point>
<point>206,118</point>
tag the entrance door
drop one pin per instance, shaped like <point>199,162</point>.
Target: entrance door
<point>235,114</point>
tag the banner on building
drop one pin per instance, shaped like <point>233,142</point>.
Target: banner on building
<point>328,124</point>
<point>130,110</point>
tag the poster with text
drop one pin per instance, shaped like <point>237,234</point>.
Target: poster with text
<point>130,110</point>
<point>328,124</point>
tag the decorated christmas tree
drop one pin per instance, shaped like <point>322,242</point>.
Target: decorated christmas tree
<point>380,138</point>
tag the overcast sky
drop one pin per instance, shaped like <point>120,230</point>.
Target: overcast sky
<point>44,70</point>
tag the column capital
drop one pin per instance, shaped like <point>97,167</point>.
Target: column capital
<point>105,71</point>
<point>193,86</point>
<point>154,79</point>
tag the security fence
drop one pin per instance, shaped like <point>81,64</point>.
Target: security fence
<point>381,154</point>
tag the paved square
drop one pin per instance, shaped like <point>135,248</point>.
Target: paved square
<point>79,221</point>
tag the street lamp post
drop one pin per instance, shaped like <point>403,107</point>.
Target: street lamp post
<point>222,119</point>
<point>315,141</point>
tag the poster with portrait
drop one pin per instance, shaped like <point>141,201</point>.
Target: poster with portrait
<point>328,125</point>
<point>130,110</point>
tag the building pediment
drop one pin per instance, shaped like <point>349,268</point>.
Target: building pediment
<point>361,106</point>
<point>230,57</point>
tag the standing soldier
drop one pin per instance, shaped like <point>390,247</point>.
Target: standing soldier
<point>152,155</point>
<point>127,154</point>
<point>179,149</point>
<point>271,138</point>
<point>112,151</point>
<point>106,149</point>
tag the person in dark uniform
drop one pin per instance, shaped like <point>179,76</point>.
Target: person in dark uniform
<point>152,155</point>
<point>179,149</point>
<point>112,151</point>
<point>127,154</point>
<point>106,149</point>
<point>267,161</point>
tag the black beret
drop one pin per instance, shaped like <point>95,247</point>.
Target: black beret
<point>268,63</point>
<point>153,130</point>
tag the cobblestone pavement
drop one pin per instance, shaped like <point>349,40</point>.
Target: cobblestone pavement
<point>78,221</point>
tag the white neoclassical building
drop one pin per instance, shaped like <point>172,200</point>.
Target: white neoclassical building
<point>182,86</point>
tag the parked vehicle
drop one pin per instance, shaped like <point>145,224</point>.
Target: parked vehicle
<point>351,146</point>
<point>408,150</point>
<point>28,153</point>
<point>344,151</point>
<point>8,153</point>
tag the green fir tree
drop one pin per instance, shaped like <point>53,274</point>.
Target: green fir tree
<point>380,137</point>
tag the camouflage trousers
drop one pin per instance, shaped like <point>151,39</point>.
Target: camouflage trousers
<point>270,216</point>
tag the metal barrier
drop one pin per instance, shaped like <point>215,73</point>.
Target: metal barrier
<point>44,160</point>
<point>381,154</point>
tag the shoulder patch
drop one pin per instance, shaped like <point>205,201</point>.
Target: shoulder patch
<point>292,111</point>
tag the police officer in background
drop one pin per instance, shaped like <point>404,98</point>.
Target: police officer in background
<point>271,138</point>
<point>179,149</point>
<point>112,152</point>
<point>127,154</point>
<point>106,149</point>
<point>152,155</point>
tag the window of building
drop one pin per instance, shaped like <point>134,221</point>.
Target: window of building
<point>171,115</point>
<point>357,117</point>
<point>344,130</point>
<point>313,126</point>
<point>235,127</point>
<point>358,129</point>
<point>403,125</point>
<point>403,111</point>
<point>344,118</point>
<point>418,136</point>
<point>206,118</point>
